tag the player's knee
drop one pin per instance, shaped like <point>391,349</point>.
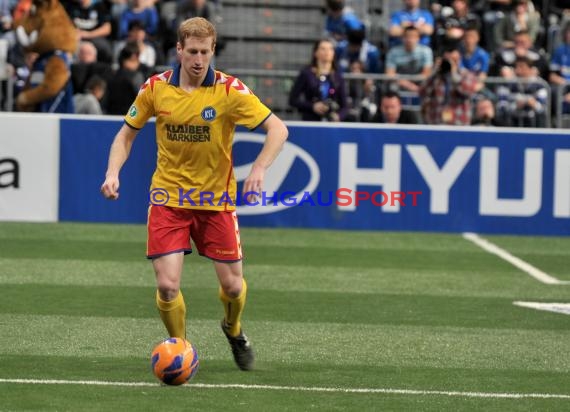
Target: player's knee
<point>233,289</point>
<point>168,292</point>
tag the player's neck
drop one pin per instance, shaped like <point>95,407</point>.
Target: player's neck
<point>190,83</point>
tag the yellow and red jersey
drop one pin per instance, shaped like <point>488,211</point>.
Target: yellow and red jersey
<point>194,135</point>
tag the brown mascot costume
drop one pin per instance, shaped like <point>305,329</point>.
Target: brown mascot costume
<point>49,32</point>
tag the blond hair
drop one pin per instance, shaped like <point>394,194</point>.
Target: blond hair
<point>196,27</point>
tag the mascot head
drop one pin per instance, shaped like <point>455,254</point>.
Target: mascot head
<point>47,28</point>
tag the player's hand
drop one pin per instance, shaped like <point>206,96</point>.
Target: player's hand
<point>110,188</point>
<point>254,183</point>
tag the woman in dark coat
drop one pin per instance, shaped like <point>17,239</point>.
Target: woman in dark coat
<point>319,90</point>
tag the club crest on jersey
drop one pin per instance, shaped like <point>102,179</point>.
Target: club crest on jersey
<point>133,111</point>
<point>208,113</point>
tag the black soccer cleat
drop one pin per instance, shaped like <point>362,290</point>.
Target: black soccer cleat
<point>241,348</point>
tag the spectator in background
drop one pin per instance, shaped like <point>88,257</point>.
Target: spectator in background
<point>410,58</point>
<point>446,94</point>
<point>10,51</point>
<point>124,86</point>
<point>452,22</point>
<point>6,8</point>
<point>117,7</point>
<point>358,55</point>
<point>21,9</point>
<point>147,52</point>
<point>357,48</point>
<point>460,11</point>
<point>524,102</point>
<point>340,20</point>
<point>361,100</point>
<point>186,9</point>
<point>555,18</point>
<point>86,65</point>
<point>560,62</point>
<point>89,102</point>
<point>493,12</point>
<point>506,57</point>
<point>452,30</point>
<point>23,70</point>
<point>411,15</point>
<point>319,91</point>
<point>15,55</point>
<point>473,57</point>
<point>522,17</point>
<point>87,53</point>
<point>143,11</point>
<point>391,111</point>
<point>560,68</point>
<point>559,7</point>
<point>485,114</point>
<point>93,22</point>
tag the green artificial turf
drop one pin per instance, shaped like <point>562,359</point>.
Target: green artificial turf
<point>375,311</point>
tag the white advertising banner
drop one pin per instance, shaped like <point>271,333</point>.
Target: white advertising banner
<point>29,167</point>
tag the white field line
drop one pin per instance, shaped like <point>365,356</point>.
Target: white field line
<point>513,260</point>
<point>563,308</point>
<point>387,391</point>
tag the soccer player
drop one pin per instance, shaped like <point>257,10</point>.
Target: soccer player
<point>197,109</point>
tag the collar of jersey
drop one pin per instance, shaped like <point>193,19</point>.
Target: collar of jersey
<point>208,80</point>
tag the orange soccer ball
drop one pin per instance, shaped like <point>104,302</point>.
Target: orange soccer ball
<point>174,361</point>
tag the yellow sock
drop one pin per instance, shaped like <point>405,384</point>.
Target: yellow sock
<point>233,308</point>
<point>173,315</point>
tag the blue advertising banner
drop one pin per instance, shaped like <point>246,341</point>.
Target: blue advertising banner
<point>346,176</point>
<point>84,154</point>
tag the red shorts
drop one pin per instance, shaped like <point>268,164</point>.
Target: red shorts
<point>215,234</point>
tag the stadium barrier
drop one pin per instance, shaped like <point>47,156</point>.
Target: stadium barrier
<point>562,108</point>
<point>341,176</point>
<point>273,86</point>
<point>29,167</point>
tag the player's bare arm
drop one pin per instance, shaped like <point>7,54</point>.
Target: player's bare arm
<point>276,135</point>
<point>118,155</point>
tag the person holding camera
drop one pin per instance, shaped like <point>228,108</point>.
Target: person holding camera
<point>446,94</point>
<point>319,91</point>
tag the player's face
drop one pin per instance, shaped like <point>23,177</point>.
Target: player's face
<point>195,55</point>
